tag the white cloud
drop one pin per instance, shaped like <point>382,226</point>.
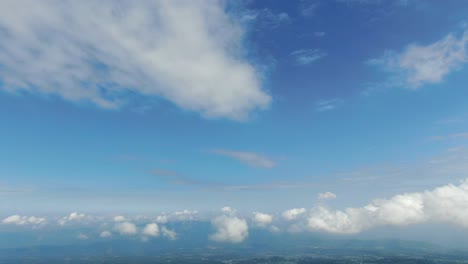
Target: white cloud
<point>292,214</point>
<point>126,228</point>
<point>326,195</point>
<point>119,218</point>
<point>24,220</point>
<point>418,64</point>
<point>101,51</point>
<point>229,229</point>
<point>448,203</point>
<point>185,215</point>
<point>262,219</point>
<point>73,217</point>
<point>151,229</point>
<point>105,234</point>
<point>249,158</point>
<point>171,234</point>
<point>228,210</point>
<point>161,219</point>
<point>307,56</point>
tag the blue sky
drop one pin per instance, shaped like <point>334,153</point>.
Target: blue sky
<point>259,105</point>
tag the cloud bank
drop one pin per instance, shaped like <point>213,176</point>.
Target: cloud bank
<point>446,204</point>
<point>104,51</point>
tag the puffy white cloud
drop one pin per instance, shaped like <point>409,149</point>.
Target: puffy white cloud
<point>228,210</point>
<point>126,228</point>
<point>419,64</point>
<point>229,229</point>
<point>249,158</point>
<point>444,204</point>
<point>119,218</point>
<point>151,229</point>
<point>24,220</point>
<point>161,219</point>
<point>105,234</point>
<point>171,234</point>
<point>326,195</point>
<point>101,51</point>
<point>292,214</point>
<point>73,217</point>
<point>262,219</point>
<point>185,215</point>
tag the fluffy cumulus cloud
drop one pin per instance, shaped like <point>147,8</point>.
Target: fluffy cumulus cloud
<point>294,213</point>
<point>249,158</point>
<point>444,204</point>
<point>229,228</point>
<point>101,51</point>
<point>151,230</point>
<point>161,219</point>
<point>119,218</point>
<point>74,217</point>
<point>24,220</point>
<point>262,219</point>
<point>126,228</point>
<point>421,64</point>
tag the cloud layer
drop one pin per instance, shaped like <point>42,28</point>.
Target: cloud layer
<point>103,51</point>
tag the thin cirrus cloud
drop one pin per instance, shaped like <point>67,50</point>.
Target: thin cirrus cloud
<point>249,158</point>
<point>101,51</point>
<point>418,64</point>
<point>328,105</point>
<point>307,56</point>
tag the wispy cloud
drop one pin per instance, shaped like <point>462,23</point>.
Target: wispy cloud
<point>327,105</point>
<point>461,135</point>
<point>307,56</point>
<point>419,64</point>
<point>101,51</point>
<point>249,158</point>
<point>265,18</point>
<point>309,9</point>
<point>319,34</point>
